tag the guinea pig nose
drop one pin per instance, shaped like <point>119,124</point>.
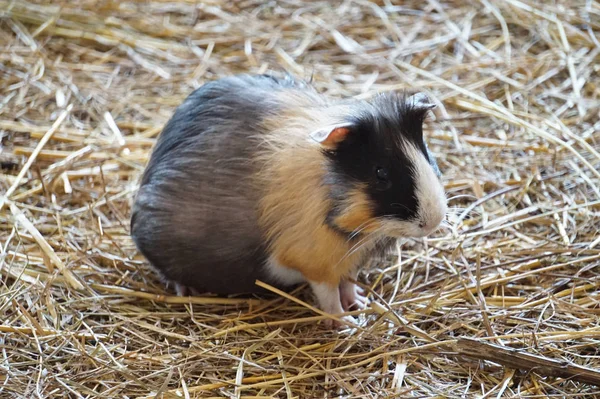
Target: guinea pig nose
<point>421,225</point>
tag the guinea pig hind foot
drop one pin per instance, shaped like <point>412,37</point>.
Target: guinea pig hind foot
<point>352,296</point>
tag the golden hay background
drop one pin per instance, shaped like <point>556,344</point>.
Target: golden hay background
<point>516,132</point>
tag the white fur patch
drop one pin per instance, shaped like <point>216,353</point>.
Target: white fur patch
<point>283,274</point>
<point>328,297</point>
<point>431,198</point>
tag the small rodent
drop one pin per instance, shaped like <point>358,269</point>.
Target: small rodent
<point>259,177</point>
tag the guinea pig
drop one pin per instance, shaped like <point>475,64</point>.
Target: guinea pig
<point>259,177</point>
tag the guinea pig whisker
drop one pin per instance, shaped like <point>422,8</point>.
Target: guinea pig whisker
<point>359,229</point>
<point>355,234</point>
<point>367,239</point>
<point>398,205</point>
<point>390,227</point>
<point>444,226</point>
<point>469,196</point>
<point>472,212</point>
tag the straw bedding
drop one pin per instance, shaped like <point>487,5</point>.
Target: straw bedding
<point>85,88</point>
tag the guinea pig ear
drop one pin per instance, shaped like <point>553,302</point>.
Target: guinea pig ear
<point>420,102</point>
<point>329,137</point>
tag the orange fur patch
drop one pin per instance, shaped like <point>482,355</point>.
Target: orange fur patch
<point>295,203</point>
<point>358,215</point>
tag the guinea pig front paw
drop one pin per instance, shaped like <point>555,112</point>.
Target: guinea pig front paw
<point>328,296</point>
<point>184,290</point>
<point>352,296</point>
<point>344,323</point>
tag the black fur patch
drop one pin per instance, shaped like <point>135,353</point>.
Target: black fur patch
<point>377,138</point>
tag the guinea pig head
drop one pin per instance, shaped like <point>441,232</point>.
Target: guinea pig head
<point>380,174</point>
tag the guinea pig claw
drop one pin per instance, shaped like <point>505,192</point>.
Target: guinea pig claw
<point>340,324</point>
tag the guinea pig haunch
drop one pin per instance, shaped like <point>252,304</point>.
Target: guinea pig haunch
<point>256,177</point>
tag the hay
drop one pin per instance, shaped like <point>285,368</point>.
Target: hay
<point>86,87</point>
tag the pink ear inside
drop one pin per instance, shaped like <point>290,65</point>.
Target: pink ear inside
<point>336,136</point>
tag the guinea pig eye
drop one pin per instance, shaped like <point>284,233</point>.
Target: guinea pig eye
<point>383,178</point>
<point>382,173</point>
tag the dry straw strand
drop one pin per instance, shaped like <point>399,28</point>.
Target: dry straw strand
<point>504,301</point>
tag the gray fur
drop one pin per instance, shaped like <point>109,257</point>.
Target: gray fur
<point>195,216</point>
